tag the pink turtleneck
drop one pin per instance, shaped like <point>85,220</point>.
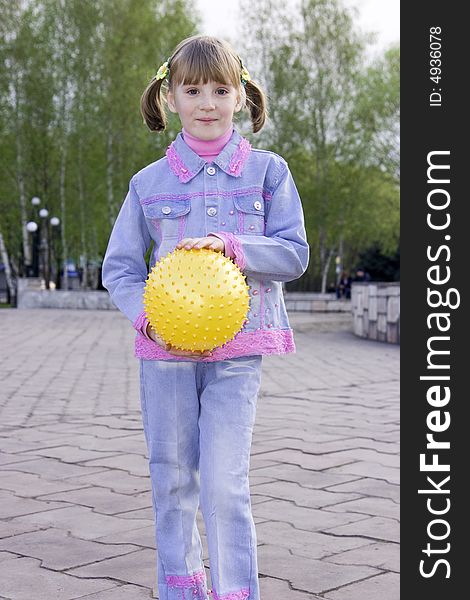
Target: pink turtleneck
<point>208,149</point>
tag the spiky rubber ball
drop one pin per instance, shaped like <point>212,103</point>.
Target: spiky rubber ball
<point>196,299</point>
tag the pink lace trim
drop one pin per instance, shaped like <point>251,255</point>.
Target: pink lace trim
<point>237,249</point>
<point>239,157</point>
<point>241,595</point>
<point>186,581</point>
<point>177,165</point>
<point>245,343</point>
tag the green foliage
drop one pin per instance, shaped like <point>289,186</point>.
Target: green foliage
<point>71,76</point>
<point>335,119</point>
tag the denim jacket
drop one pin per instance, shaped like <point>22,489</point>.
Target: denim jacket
<point>245,196</point>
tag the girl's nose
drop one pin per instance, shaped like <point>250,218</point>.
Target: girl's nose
<point>206,102</point>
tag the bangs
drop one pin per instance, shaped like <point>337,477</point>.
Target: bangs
<point>202,61</point>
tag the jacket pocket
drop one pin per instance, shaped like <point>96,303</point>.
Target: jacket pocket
<point>250,211</point>
<point>167,217</point>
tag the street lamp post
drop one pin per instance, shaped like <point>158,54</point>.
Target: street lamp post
<point>41,255</point>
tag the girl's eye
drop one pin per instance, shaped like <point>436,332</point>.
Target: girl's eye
<point>222,92</point>
<point>190,91</point>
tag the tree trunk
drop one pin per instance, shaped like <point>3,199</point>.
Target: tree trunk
<point>6,261</point>
<point>63,154</point>
<point>83,225</point>
<point>109,179</point>
<point>27,254</point>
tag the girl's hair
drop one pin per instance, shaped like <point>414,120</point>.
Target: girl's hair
<point>200,59</point>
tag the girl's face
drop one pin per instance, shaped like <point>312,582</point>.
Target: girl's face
<point>205,110</point>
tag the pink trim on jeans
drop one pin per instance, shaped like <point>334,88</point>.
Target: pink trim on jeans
<point>239,158</point>
<point>177,165</point>
<point>245,343</point>
<point>241,595</point>
<point>186,581</point>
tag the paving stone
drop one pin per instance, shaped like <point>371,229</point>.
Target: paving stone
<point>378,528</point>
<point>9,459</point>
<point>82,522</point>
<point>12,506</point>
<point>122,592</point>
<point>308,575</point>
<point>143,537</point>
<point>277,589</point>
<point>386,586</point>
<point>381,507</point>
<point>309,498</point>
<point>131,463</point>
<point>306,477</point>
<point>70,454</point>
<point>309,519</point>
<point>305,543</point>
<point>315,462</point>
<point>325,451</point>
<point>24,579</point>
<point>52,468</point>
<point>369,487</point>
<point>9,528</point>
<point>59,551</point>
<point>30,485</point>
<point>103,500</point>
<point>381,555</point>
<point>369,469</point>
<point>7,556</point>
<point>121,483</point>
<point>138,568</point>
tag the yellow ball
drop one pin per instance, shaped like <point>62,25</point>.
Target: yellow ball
<point>196,299</point>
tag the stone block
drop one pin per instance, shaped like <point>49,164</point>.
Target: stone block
<point>319,305</point>
<point>382,323</point>
<point>381,305</point>
<point>372,330</point>
<point>393,309</point>
<point>373,308</point>
<point>392,333</point>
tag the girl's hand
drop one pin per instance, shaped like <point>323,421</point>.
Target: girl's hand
<point>211,242</point>
<point>175,351</point>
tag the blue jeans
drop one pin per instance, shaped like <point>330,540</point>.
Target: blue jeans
<point>198,423</point>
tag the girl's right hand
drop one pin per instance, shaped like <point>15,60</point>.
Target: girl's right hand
<point>175,351</point>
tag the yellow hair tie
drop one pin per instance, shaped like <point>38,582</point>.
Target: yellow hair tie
<point>163,71</point>
<point>245,76</point>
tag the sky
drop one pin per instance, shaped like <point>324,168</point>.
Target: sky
<point>220,17</point>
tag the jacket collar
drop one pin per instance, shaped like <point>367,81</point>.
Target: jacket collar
<point>186,164</point>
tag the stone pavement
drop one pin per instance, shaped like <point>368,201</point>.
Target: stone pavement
<point>75,508</point>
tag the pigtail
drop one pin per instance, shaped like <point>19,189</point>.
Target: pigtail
<point>152,106</point>
<point>256,104</point>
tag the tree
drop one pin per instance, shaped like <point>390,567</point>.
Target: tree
<point>334,121</point>
<point>71,76</point>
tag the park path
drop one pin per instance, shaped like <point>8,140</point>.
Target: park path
<point>75,506</point>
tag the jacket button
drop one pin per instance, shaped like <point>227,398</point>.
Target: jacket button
<point>166,210</point>
<point>231,212</point>
<point>257,205</point>
<point>211,170</point>
<point>211,211</point>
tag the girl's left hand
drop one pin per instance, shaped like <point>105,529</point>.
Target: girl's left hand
<point>211,242</point>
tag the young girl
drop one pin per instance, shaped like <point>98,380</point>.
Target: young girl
<point>211,190</point>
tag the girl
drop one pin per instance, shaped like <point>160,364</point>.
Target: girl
<point>211,190</point>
